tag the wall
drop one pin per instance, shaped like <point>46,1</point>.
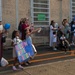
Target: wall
<point>9,14</point>
<point>58,11</point>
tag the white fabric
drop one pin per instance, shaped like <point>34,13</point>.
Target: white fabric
<point>56,25</point>
<point>35,51</point>
<point>73,25</point>
<point>16,41</point>
<point>54,38</point>
<point>62,38</point>
<point>51,35</point>
<point>1,27</point>
<point>39,30</point>
<point>74,34</point>
<point>34,48</point>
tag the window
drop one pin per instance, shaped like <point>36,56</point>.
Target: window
<point>40,12</point>
<point>72,9</point>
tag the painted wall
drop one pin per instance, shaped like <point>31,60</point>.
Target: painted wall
<point>57,12</point>
<point>0,10</point>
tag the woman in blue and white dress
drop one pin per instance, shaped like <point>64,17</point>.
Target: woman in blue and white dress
<point>52,29</point>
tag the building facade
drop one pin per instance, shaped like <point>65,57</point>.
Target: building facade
<point>14,10</point>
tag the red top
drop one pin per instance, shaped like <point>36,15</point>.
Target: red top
<point>24,26</point>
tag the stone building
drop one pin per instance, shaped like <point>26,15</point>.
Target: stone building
<point>14,10</point>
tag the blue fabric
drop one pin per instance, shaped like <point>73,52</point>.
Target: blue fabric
<point>29,40</point>
<point>72,27</point>
<point>29,49</point>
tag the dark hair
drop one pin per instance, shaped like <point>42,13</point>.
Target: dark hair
<point>54,33</point>
<point>14,34</point>
<point>20,26</point>
<point>52,22</point>
<point>63,21</point>
<point>24,19</point>
<point>72,22</point>
<point>25,32</point>
<point>63,34</point>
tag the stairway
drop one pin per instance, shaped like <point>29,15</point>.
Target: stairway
<point>45,55</point>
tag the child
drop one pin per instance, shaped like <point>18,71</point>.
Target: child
<point>63,40</point>
<point>16,40</point>
<point>28,38</point>
<point>54,40</point>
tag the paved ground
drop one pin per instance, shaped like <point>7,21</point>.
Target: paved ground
<point>56,68</point>
<point>45,56</point>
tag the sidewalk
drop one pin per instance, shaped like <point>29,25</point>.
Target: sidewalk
<point>53,66</point>
<point>66,67</point>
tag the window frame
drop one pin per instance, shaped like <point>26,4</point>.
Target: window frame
<point>33,12</point>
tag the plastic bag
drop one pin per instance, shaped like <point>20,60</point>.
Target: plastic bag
<point>4,62</point>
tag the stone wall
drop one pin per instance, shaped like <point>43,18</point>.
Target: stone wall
<point>59,11</point>
<point>9,13</point>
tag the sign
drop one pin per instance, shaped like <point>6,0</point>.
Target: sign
<point>24,51</point>
<point>41,17</point>
<point>29,49</point>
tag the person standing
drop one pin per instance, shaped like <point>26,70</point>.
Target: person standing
<point>66,29</point>
<point>52,29</point>
<point>25,25</point>
<point>1,39</point>
<point>1,43</point>
<point>54,40</point>
<point>28,37</point>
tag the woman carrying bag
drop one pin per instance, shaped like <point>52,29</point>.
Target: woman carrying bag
<point>2,40</point>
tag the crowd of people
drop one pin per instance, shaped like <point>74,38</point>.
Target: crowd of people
<point>62,34</point>
<point>23,34</point>
<point>59,34</point>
